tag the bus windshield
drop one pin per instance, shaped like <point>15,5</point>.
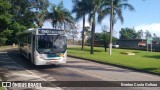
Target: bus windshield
<point>51,44</point>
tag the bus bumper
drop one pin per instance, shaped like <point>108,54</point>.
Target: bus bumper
<point>49,62</point>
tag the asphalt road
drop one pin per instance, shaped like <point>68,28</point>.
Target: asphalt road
<point>15,67</point>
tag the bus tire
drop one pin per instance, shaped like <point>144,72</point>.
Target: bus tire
<point>20,53</point>
<point>30,57</point>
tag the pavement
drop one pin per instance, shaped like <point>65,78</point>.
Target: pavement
<point>13,67</point>
<point>11,71</point>
<point>108,72</point>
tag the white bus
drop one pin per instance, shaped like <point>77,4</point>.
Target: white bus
<point>44,46</point>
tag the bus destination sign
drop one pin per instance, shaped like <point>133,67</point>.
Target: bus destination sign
<point>50,31</point>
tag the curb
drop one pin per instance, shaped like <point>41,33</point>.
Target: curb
<point>116,65</point>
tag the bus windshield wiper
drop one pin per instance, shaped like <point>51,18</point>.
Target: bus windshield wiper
<point>56,38</point>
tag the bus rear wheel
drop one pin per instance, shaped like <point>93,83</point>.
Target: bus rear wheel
<point>30,57</point>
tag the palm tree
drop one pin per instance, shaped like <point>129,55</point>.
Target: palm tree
<point>41,13</point>
<point>40,18</point>
<point>114,9</point>
<point>87,34</point>
<point>81,8</point>
<point>95,8</point>
<point>60,16</point>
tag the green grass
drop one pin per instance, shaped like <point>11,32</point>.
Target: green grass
<point>1,88</point>
<point>146,61</point>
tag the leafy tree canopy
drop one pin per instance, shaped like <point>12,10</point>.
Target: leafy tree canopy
<point>5,21</point>
<point>18,15</point>
<point>128,33</point>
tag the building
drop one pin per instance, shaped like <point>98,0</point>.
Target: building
<point>136,43</point>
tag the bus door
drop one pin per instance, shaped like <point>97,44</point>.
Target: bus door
<point>33,48</point>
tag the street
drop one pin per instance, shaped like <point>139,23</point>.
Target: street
<point>14,67</point>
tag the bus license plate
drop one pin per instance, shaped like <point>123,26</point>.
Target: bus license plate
<point>51,62</point>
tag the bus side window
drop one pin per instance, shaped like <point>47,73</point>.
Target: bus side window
<point>21,44</point>
<point>29,39</point>
<point>33,42</point>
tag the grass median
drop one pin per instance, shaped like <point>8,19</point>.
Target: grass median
<point>142,60</point>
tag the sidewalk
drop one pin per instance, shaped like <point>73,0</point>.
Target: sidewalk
<point>7,47</point>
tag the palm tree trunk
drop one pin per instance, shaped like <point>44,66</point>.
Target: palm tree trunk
<point>83,32</point>
<point>92,36</point>
<point>111,29</point>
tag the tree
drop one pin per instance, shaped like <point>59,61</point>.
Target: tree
<point>95,8</point>
<point>148,34</point>
<point>156,39</point>
<point>17,29</point>
<point>18,15</point>
<point>5,21</point>
<point>128,34</point>
<point>114,9</point>
<point>104,38</point>
<point>154,35</point>
<point>87,34</point>
<point>23,16</point>
<point>41,11</point>
<point>73,32</point>
<point>22,11</point>
<point>140,34</point>
<point>81,8</point>
<point>60,16</point>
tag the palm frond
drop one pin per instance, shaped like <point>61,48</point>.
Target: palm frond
<point>126,5</point>
<point>102,14</point>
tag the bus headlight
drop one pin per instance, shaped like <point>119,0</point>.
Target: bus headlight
<point>61,55</point>
<point>39,57</point>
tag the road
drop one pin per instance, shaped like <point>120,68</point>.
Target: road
<point>14,67</point>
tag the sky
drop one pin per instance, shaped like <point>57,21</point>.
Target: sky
<point>145,17</point>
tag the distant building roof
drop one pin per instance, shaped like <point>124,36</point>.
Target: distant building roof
<point>132,40</point>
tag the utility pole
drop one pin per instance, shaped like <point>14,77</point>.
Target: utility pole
<point>111,28</point>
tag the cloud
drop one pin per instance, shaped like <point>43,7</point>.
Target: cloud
<point>153,28</point>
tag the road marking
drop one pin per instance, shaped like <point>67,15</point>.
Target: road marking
<point>7,62</point>
<point>3,52</point>
<point>26,69</point>
<point>12,67</point>
<point>23,75</point>
<point>32,73</point>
